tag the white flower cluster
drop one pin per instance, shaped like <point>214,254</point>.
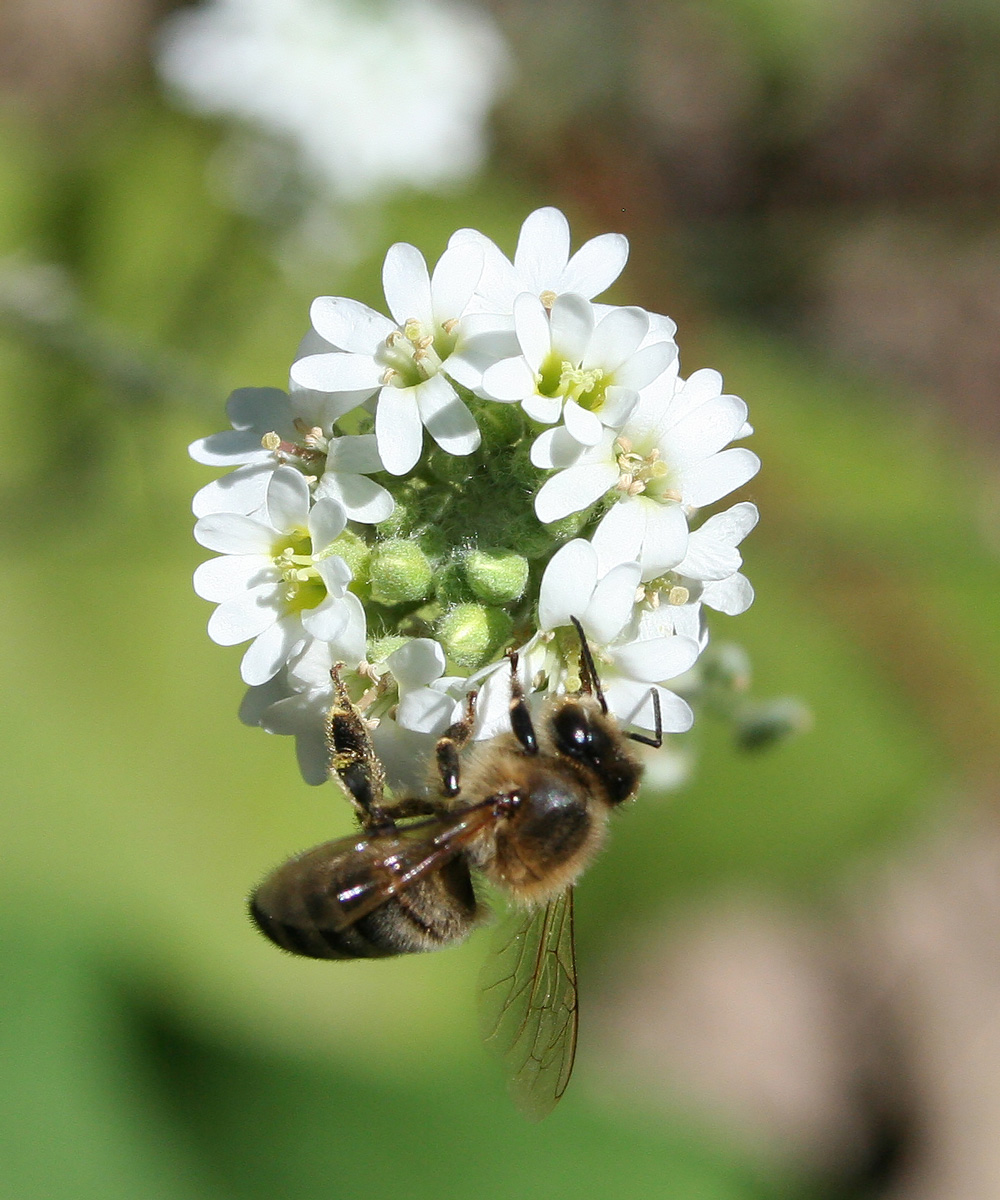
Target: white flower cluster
<point>466,476</point>
<point>371,97</point>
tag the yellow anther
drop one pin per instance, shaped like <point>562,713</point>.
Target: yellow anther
<point>389,376</point>
<point>270,441</point>
<point>624,482</point>
<point>678,595</point>
<point>450,325</point>
<point>548,298</point>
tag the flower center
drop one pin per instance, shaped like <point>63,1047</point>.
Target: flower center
<point>306,453</point>
<point>415,352</point>
<point>304,588</point>
<point>643,474</point>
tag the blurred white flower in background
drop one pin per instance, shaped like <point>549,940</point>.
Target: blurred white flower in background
<point>371,96</point>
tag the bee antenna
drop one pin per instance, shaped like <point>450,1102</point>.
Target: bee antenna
<point>590,680</point>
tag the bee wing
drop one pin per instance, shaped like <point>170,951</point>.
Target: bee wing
<point>400,858</point>
<point>529,1004</point>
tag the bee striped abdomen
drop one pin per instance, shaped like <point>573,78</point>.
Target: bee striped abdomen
<point>301,908</point>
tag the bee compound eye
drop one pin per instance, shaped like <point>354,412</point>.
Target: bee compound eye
<point>573,731</point>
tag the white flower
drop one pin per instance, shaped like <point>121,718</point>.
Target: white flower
<point>287,426</point>
<point>371,96</point>
<point>573,364</point>
<point>298,699</point>
<point>667,460</point>
<point>542,263</point>
<point>276,581</point>
<point>631,667</point>
<point>713,561</point>
<point>407,361</point>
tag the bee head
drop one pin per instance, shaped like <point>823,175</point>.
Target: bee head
<point>585,735</point>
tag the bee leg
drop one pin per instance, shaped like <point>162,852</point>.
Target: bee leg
<point>415,806</point>
<point>656,741</point>
<point>449,746</point>
<point>520,715</point>
<point>352,757</point>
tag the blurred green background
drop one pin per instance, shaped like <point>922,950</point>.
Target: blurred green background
<point>810,189</point>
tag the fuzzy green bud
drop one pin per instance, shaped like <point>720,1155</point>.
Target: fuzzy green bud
<point>356,552</point>
<point>400,573</point>
<point>496,576</point>
<point>471,633</point>
<point>381,648</point>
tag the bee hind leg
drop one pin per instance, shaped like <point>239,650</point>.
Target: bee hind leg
<point>352,757</point>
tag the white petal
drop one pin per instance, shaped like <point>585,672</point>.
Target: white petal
<point>287,500</point>
<point>221,579</point>
<point>245,616</point>
<point>269,651</point>
<point>582,425</point>
<point>705,431</point>
<point>454,280</point>
<point>574,489</point>
<point>542,249</point>
<point>647,364</point>
<point>228,449</point>
<point>337,373</point>
<point>616,337</point>
<point>363,499</point>
<point>327,519</point>
<point>398,429</point>
<point>259,410</point>
<point>665,538</point>
<point>555,448</point>
<point>708,558</point>
<point>355,453</point>
<point>632,704</point>
<point>417,663</point>
<point>231,533</point>
<point>731,596</point>
<point>241,491</point>
<point>595,266</point>
<point>349,325</point>
<point>619,404</point>
<point>509,380</point>
<point>572,327</point>
<point>611,605</point>
<point>499,284</point>
<point>446,417</point>
<point>350,644</point>
<point>731,526</point>
<point>531,324</point>
<point>618,538</point>
<point>407,285</point>
<point>327,620</point>
<point>656,659</point>
<point>544,409</point>
<point>708,481</point>
<point>567,584</point>
<point>425,710</point>
<point>257,700</point>
<point>336,575</point>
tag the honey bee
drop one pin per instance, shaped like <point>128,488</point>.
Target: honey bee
<point>526,810</point>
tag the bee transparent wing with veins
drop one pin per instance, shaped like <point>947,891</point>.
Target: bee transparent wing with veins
<point>529,1004</point>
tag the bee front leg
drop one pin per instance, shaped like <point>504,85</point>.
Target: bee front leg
<point>352,757</point>
<point>449,746</point>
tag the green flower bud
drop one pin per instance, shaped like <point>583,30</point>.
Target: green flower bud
<point>451,468</point>
<point>471,633</point>
<point>400,573</point>
<point>496,576</point>
<point>356,552</point>
<point>381,648</point>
